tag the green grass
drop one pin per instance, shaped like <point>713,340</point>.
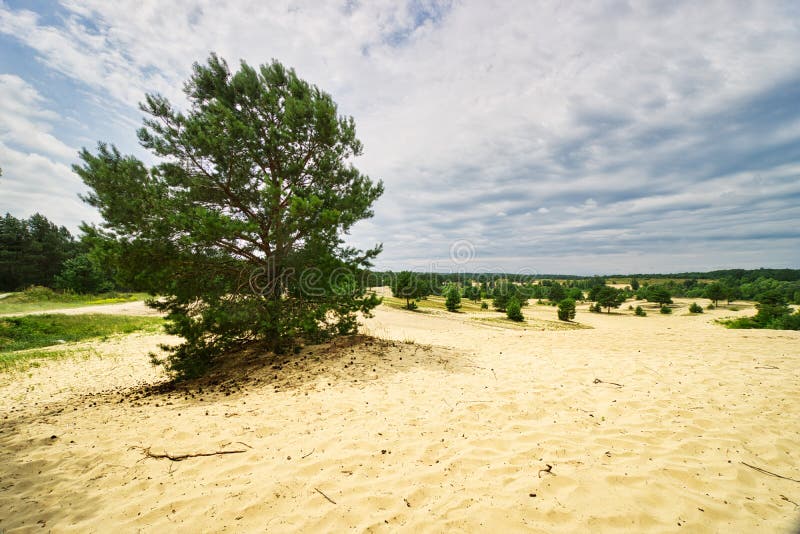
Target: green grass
<point>434,303</point>
<point>35,331</point>
<point>531,324</point>
<point>24,360</point>
<point>43,299</point>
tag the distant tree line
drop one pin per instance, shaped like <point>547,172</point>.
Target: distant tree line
<point>37,252</point>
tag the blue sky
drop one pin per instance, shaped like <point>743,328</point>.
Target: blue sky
<point>521,136</point>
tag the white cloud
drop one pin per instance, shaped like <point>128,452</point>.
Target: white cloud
<point>603,112</point>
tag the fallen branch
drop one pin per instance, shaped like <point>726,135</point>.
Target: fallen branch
<point>598,381</point>
<point>760,470</point>
<point>329,499</point>
<point>310,453</point>
<point>767,367</point>
<point>181,457</point>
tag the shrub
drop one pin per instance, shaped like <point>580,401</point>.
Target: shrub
<point>639,312</point>
<point>453,301</point>
<point>514,310</point>
<point>665,310</point>
<point>566,310</point>
<point>710,306</point>
<point>37,294</point>
<point>695,308</point>
<point>484,306</point>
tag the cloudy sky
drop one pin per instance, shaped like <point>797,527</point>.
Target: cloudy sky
<point>583,137</point>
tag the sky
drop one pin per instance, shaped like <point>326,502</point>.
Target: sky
<point>531,137</point>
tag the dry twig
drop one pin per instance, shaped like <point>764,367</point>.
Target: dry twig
<point>548,469</point>
<point>329,499</point>
<point>181,457</point>
<point>760,470</point>
<point>598,381</point>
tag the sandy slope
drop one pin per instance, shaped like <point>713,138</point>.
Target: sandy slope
<point>453,432</point>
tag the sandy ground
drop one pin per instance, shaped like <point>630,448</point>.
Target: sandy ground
<point>442,423</point>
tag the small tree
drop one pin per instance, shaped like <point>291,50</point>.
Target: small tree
<point>660,295</point>
<point>566,310</point>
<point>771,307</point>
<point>82,274</point>
<point>502,293</point>
<point>715,292</point>
<point>409,286</point>
<point>472,293</point>
<point>239,226</point>
<point>453,298</point>
<point>609,297</point>
<point>514,309</point>
<point>639,312</point>
<point>666,310</point>
<point>556,293</point>
<point>634,284</point>
<point>695,308</point>
<point>575,293</point>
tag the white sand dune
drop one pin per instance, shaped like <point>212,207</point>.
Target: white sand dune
<point>444,424</point>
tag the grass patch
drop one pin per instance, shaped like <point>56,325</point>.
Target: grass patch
<point>433,303</point>
<point>35,331</point>
<point>531,324</point>
<point>27,359</point>
<point>42,299</point>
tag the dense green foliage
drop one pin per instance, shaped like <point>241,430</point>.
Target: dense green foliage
<point>32,331</point>
<point>666,310</point>
<point>566,309</point>
<point>514,309</point>
<point>609,297</point>
<point>453,298</point>
<point>83,274</point>
<point>715,292</point>
<point>32,251</point>
<point>695,308</point>
<point>239,226</point>
<point>773,313</point>
<point>639,312</point>
<point>409,286</point>
<point>658,294</point>
<point>504,291</point>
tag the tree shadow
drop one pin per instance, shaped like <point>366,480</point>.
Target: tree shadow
<point>48,481</point>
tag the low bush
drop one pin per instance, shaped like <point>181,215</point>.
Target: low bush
<point>639,312</point>
<point>665,310</point>
<point>514,310</point>
<point>695,308</point>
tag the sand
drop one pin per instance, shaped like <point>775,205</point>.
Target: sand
<point>438,423</point>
